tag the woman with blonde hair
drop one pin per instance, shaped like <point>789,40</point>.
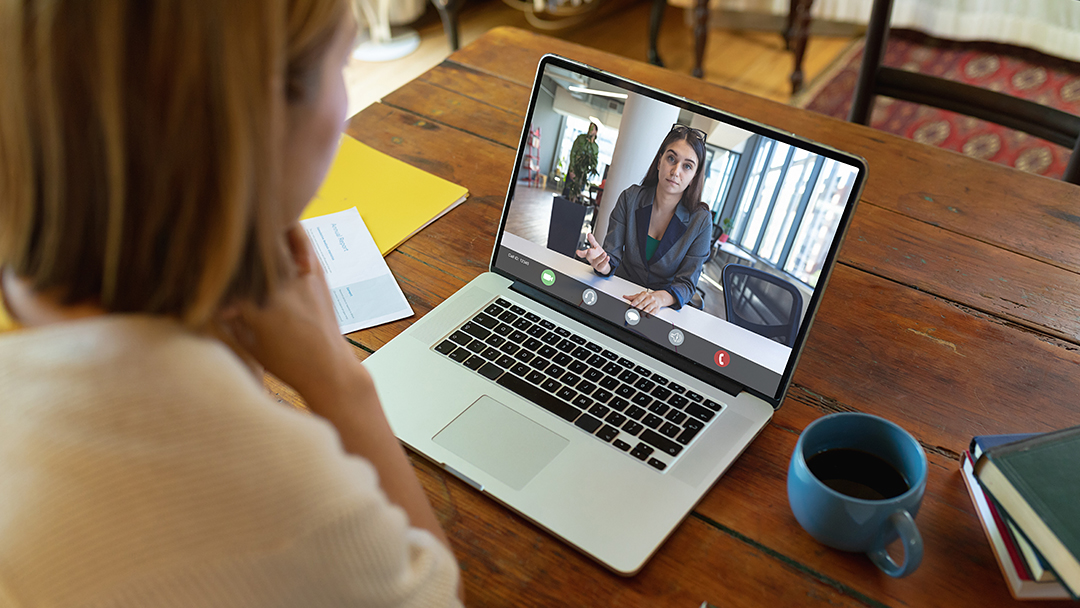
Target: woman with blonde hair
<point>154,158</point>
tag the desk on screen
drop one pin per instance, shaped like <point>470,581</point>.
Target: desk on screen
<point>763,351</point>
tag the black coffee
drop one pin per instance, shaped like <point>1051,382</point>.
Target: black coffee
<point>857,474</point>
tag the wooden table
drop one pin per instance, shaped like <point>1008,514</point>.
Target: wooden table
<point>954,311</point>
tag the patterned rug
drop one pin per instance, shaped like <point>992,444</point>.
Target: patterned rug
<point>1008,69</point>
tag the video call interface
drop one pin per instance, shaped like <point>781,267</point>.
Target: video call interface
<point>774,209</point>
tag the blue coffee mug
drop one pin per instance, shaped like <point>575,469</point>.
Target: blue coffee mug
<point>861,525</point>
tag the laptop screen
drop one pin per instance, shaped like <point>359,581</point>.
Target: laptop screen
<point>675,225</point>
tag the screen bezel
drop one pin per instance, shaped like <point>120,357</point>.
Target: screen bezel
<point>702,372</point>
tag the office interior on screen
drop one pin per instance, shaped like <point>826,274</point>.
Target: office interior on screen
<point>774,207</point>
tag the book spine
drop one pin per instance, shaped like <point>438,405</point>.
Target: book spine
<point>1036,441</point>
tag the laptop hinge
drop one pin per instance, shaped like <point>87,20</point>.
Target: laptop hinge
<point>700,372</point>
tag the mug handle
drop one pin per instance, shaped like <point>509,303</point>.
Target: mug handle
<point>912,542</point>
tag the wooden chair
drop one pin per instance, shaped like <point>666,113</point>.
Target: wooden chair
<point>875,79</point>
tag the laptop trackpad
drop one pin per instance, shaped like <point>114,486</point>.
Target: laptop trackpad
<point>501,442</point>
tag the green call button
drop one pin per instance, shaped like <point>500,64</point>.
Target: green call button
<point>548,277</point>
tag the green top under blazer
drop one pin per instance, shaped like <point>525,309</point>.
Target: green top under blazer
<point>684,247</point>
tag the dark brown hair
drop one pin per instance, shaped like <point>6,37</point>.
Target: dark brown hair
<point>691,197</point>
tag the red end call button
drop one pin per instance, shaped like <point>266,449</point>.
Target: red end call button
<point>722,358</point>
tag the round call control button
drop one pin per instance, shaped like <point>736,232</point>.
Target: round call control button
<point>722,358</point>
<point>676,337</point>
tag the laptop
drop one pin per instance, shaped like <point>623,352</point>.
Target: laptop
<point>539,385</point>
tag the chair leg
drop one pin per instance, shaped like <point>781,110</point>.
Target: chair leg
<point>877,36</point>
<point>448,13</point>
<point>790,24</point>
<point>1072,170</point>
<point>656,18</point>
<point>799,35</point>
<point>701,31</point>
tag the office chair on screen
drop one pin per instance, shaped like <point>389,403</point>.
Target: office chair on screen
<point>1030,117</point>
<point>763,303</point>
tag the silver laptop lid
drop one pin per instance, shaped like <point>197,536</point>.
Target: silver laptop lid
<point>748,298</point>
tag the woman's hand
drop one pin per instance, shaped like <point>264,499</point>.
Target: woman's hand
<point>295,336</point>
<point>595,256</point>
<point>650,301</point>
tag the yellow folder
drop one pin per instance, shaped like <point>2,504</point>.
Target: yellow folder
<point>395,199</point>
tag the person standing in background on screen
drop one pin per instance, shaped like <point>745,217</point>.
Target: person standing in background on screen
<point>659,233</point>
<point>155,156</point>
<point>584,155</point>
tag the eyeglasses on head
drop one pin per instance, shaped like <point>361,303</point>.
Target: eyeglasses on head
<point>680,129</point>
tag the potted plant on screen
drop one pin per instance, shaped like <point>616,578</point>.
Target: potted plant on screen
<point>584,156</point>
<point>725,229</point>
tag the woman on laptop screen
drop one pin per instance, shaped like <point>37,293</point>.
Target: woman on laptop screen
<point>659,231</point>
<point>156,157</point>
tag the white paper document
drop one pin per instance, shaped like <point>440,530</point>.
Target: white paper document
<point>364,290</point>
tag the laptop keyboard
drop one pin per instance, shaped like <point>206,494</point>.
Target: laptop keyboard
<point>632,408</point>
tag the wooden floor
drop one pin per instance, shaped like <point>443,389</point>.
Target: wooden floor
<point>750,61</point>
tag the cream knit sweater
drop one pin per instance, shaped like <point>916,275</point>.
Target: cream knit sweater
<point>141,465</point>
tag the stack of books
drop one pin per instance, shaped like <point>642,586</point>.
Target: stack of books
<point>1026,491</point>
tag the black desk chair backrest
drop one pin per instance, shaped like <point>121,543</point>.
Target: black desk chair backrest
<point>762,302</point>
<point>1030,117</point>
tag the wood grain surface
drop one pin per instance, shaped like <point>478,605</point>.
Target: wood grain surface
<point>954,311</point>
